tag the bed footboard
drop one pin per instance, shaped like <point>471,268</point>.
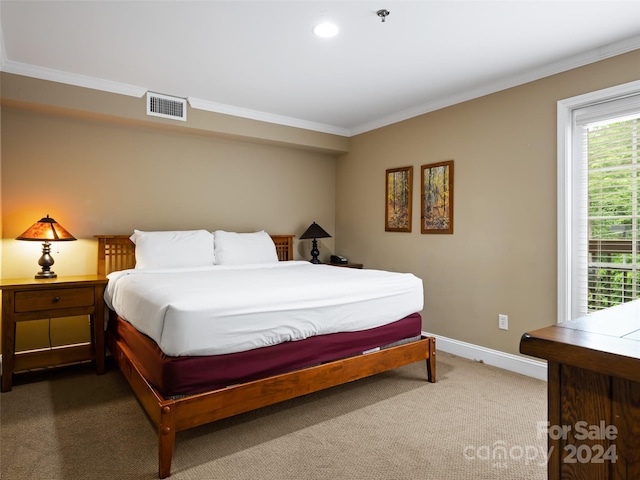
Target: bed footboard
<point>171,416</point>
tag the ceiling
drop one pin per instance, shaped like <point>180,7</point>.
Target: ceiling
<point>260,59</point>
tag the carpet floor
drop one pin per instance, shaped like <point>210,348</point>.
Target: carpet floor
<point>477,422</point>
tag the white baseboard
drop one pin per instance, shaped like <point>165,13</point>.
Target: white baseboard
<point>525,366</point>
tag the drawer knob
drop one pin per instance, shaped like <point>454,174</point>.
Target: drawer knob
<point>56,299</point>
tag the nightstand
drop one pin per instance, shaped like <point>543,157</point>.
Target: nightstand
<point>35,299</point>
<point>348,265</point>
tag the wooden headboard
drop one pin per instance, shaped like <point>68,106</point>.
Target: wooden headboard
<point>118,252</point>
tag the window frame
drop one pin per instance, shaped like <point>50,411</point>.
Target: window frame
<point>565,177</point>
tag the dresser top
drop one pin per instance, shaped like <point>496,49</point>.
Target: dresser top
<point>607,342</point>
<point>621,321</point>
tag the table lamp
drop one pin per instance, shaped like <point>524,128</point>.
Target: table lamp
<point>46,230</point>
<point>314,231</point>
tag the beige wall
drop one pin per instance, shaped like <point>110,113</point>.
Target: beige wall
<point>502,255</point>
<point>97,165</point>
<point>1,235</point>
<point>98,174</point>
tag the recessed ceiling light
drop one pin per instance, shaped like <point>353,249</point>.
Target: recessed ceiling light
<point>325,30</point>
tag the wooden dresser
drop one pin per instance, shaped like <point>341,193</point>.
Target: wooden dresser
<point>594,394</point>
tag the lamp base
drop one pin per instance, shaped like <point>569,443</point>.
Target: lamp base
<point>314,252</point>
<point>48,274</point>
<point>45,261</point>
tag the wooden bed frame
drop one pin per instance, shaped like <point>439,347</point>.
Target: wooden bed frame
<point>117,252</point>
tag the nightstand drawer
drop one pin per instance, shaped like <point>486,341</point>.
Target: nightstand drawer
<point>53,299</point>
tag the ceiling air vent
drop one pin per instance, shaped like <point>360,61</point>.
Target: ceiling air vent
<point>166,107</point>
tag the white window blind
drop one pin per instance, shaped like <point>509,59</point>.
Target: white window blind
<point>605,217</point>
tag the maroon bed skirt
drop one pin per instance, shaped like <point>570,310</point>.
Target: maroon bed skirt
<point>173,376</point>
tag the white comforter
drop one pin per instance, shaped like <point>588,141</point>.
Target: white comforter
<point>225,309</point>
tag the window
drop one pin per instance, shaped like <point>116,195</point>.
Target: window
<point>613,173</point>
<point>598,206</point>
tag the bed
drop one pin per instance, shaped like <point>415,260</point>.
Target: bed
<point>194,385</point>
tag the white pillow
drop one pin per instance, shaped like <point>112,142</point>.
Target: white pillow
<point>184,248</point>
<point>233,248</point>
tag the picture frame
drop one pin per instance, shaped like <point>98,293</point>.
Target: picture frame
<point>436,215</point>
<point>398,199</point>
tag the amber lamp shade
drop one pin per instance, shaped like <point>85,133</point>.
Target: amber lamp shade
<point>314,231</point>
<point>46,230</point>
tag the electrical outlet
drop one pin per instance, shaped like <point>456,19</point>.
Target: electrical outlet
<point>503,321</point>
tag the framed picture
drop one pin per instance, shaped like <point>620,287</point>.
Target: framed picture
<point>397,217</point>
<point>436,214</point>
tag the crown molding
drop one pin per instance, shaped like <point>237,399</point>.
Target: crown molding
<point>586,58</point>
<point>266,117</point>
<point>570,63</point>
<point>44,73</point>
